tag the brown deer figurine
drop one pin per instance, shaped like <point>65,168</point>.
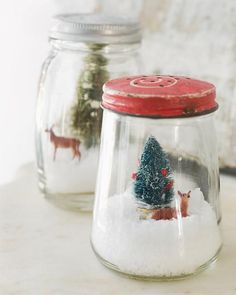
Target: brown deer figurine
<point>169,213</point>
<point>184,203</point>
<point>64,142</point>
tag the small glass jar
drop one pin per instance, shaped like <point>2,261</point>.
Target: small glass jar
<point>86,50</point>
<point>157,210</point>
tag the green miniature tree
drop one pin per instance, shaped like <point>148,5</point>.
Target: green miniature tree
<point>154,183</point>
<point>86,114</point>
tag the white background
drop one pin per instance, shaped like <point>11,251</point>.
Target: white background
<point>195,38</point>
<point>24,29</point>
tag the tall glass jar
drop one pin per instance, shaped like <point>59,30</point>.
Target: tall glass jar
<point>86,50</point>
<point>157,210</point>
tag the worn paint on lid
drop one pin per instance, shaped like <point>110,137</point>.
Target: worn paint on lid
<point>159,96</point>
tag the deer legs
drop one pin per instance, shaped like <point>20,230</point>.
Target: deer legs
<point>76,153</point>
<point>55,151</point>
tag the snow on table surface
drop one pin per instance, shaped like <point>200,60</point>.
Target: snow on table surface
<point>46,250</point>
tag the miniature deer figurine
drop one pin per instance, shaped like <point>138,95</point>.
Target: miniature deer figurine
<point>64,142</point>
<point>169,213</point>
<point>184,203</point>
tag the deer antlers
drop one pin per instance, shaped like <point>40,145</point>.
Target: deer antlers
<point>50,129</point>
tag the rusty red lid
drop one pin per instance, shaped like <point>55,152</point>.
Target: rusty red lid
<point>159,96</point>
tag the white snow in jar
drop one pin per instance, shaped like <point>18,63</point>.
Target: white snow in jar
<point>67,175</point>
<point>156,247</point>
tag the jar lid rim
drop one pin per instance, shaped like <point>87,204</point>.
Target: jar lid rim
<point>159,96</point>
<point>95,27</point>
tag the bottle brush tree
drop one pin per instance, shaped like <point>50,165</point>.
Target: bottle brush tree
<point>154,183</point>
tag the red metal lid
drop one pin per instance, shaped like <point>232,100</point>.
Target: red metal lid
<point>159,96</point>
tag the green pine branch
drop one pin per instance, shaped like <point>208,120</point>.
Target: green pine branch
<point>86,113</point>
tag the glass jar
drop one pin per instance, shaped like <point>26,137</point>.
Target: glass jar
<point>86,50</point>
<point>157,210</point>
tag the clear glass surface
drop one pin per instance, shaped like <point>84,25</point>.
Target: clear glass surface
<point>68,117</point>
<point>165,241</point>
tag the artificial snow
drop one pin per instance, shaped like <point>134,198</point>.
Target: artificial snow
<point>156,247</point>
<point>66,175</point>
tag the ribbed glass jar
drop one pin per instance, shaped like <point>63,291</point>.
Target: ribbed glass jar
<point>157,210</point>
<point>86,50</point>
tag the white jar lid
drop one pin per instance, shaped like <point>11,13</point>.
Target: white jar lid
<point>95,28</point>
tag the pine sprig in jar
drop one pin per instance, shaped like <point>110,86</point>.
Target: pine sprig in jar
<point>86,114</point>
